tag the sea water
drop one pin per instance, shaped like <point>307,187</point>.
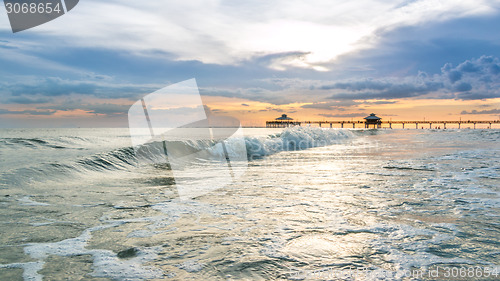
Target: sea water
<point>312,204</point>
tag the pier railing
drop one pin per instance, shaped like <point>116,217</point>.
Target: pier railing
<point>388,124</point>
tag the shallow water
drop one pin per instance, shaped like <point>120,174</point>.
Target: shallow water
<point>76,206</point>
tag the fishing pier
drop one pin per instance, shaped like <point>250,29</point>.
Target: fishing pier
<point>375,122</point>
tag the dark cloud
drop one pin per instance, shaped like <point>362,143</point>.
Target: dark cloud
<point>483,68</point>
<point>468,66</point>
<point>389,90</point>
<point>358,85</point>
<point>470,80</point>
<point>278,97</point>
<point>472,95</point>
<point>491,111</point>
<point>51,86</point>
<point>28,100</point>
<point>463,87</point>
<point>26,112</point>
<point>55,87</point>
<point>275,109</point>
<point>474,79</point>
<point>381,102</point>
<point>454,76</point>
<point>244,104</point>
<point>495,69</point>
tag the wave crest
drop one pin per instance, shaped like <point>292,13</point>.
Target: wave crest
<point>294,138</point>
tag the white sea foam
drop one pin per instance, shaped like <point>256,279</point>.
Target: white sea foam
<point>26,201</point>
<point>191,266</point>
<point>106,262</point>
<point>295,138</point>
<point>30,269</point>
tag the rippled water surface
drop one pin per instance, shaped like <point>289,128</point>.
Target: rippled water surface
<point>76,206</point>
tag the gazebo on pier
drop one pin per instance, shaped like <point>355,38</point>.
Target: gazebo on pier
<point>373,120</point>
<point>282,122</point>
<point>284,117</point>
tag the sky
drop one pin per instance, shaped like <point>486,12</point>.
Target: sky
<point>255,60</point>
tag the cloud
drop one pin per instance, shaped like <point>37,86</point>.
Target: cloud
<point>380,102</point>
<point>227,33</point>
<point>470,80</point>
<point>283,61</point>
<point>274,109</point>
<point>51,86</point>
<point>341,115</point>
<point>387,89</point>
<point>358,85</point>
<point>108,109</point>
<point>491,111</point>
<point>26,112</point>
<point>276,97</point>
<point>485,66</point>
<point>425,47</point>
<point>28,100</point>
<point>55,87</point>
<point>463,87</point>
<point>244,104</point>
<point>336,105</point>
<point>474,79</point>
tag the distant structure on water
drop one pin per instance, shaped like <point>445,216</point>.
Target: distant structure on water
<point>373,120</point>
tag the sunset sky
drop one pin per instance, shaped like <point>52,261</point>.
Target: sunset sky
<point>255,60</point>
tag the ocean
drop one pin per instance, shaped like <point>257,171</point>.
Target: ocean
<point>308,204</point>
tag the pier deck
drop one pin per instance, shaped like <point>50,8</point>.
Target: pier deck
<point>388,124</point>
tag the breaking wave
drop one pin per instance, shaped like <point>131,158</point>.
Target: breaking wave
<point>295,138</point>
<point>126,158</point>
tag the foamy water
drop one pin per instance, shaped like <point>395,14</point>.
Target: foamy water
<point>311,203</point>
